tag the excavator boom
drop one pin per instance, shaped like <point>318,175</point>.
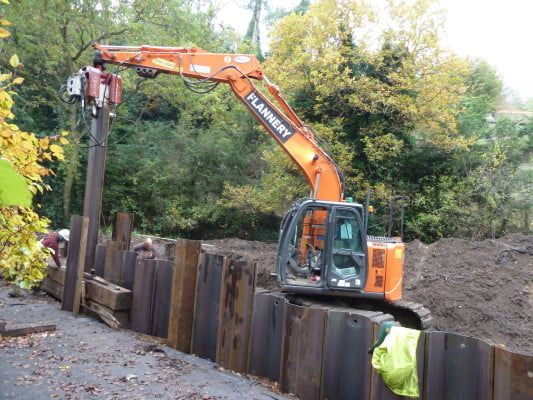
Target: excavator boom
<point>238,70</point>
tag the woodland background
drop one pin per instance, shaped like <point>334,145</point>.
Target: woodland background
<point>400,114</point>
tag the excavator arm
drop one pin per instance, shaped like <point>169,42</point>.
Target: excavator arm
<point>238,70</point>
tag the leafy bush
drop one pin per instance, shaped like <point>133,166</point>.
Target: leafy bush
<point>22,258</point>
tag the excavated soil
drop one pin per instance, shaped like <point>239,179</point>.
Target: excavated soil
<point>482,289</point>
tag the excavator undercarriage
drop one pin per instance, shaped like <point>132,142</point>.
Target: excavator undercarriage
<point>406,313</point>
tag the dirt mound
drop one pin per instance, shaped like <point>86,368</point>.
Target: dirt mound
<point>481,289</point>
<point>262,253</point>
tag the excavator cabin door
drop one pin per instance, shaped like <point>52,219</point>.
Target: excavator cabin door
<point>322,247</point>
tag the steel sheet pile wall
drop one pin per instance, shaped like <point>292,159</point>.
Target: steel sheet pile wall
<point>458,367</point>
<point>150,307</point>
<point>266,336</point>
<point>141,303</point>
<point>206,308</point>
<point>183,294</point>
<point>320,353</point>
<point>346,359</point>
<point>235,314</point>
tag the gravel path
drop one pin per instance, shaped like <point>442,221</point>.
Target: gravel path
<point>85,359</point>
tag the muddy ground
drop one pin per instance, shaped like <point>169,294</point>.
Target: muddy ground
<point>481,289</point>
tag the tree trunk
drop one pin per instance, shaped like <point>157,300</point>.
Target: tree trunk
<point>256,17</point>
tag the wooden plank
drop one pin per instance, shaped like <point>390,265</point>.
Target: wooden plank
<point>53,288</point>
<point>113,268</point>
<point>513,375</point>
<point>205,328</point>
<point>122,227</point>
<point>108,294</point>
<point>71,273</point>
<point>162,293</point>
<point>303,351</point>
<point>142,296</point>
<point>114,319</point>
<point>235,314</point>
<point>26,330</point>
<point>80,266</point>
<point>267,333</point>
<point>56,274</point>
<point>183,294</point>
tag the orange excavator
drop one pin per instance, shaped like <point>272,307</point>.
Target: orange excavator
<point>323,245</point>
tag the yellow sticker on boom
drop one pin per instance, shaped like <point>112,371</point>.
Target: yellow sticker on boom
<point>398,253</point>
<point>164,63</point>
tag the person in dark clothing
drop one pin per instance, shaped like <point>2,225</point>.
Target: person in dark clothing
<point>145,249</point>
<point>52,241</point>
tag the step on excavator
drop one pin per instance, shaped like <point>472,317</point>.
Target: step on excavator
<point>324,251</point>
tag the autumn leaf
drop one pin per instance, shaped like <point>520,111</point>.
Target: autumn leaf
<point>14,60</point>
<point>43,143</point>
<point>56,150</point>
<point>14,190</point>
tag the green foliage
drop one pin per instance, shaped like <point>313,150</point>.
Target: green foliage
<point>14,190</point>
<point>22,258</point>
<point>484,88</point>
<point>172,174</point>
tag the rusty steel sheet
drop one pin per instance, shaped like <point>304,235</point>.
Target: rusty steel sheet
<point>128,261</point>
<point>122,227</point>
<point>142,296</point>
<point>187,254</point>
<point>161,298</point>
<point>113,267</point>
<point>99,261</point>
<point>94,181</point>
<point>206,309</point>
<point>303,351</point>
<point>236,305</point>
<point>458,367</point>
<point>378,388</point>
<point>77,225</point>
<point>513,375</point>
<point>347,370</point>
<point>267,334</point>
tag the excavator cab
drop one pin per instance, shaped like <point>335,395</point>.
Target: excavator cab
<point>322,248</point>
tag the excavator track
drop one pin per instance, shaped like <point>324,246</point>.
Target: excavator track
<point>407,313</point>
